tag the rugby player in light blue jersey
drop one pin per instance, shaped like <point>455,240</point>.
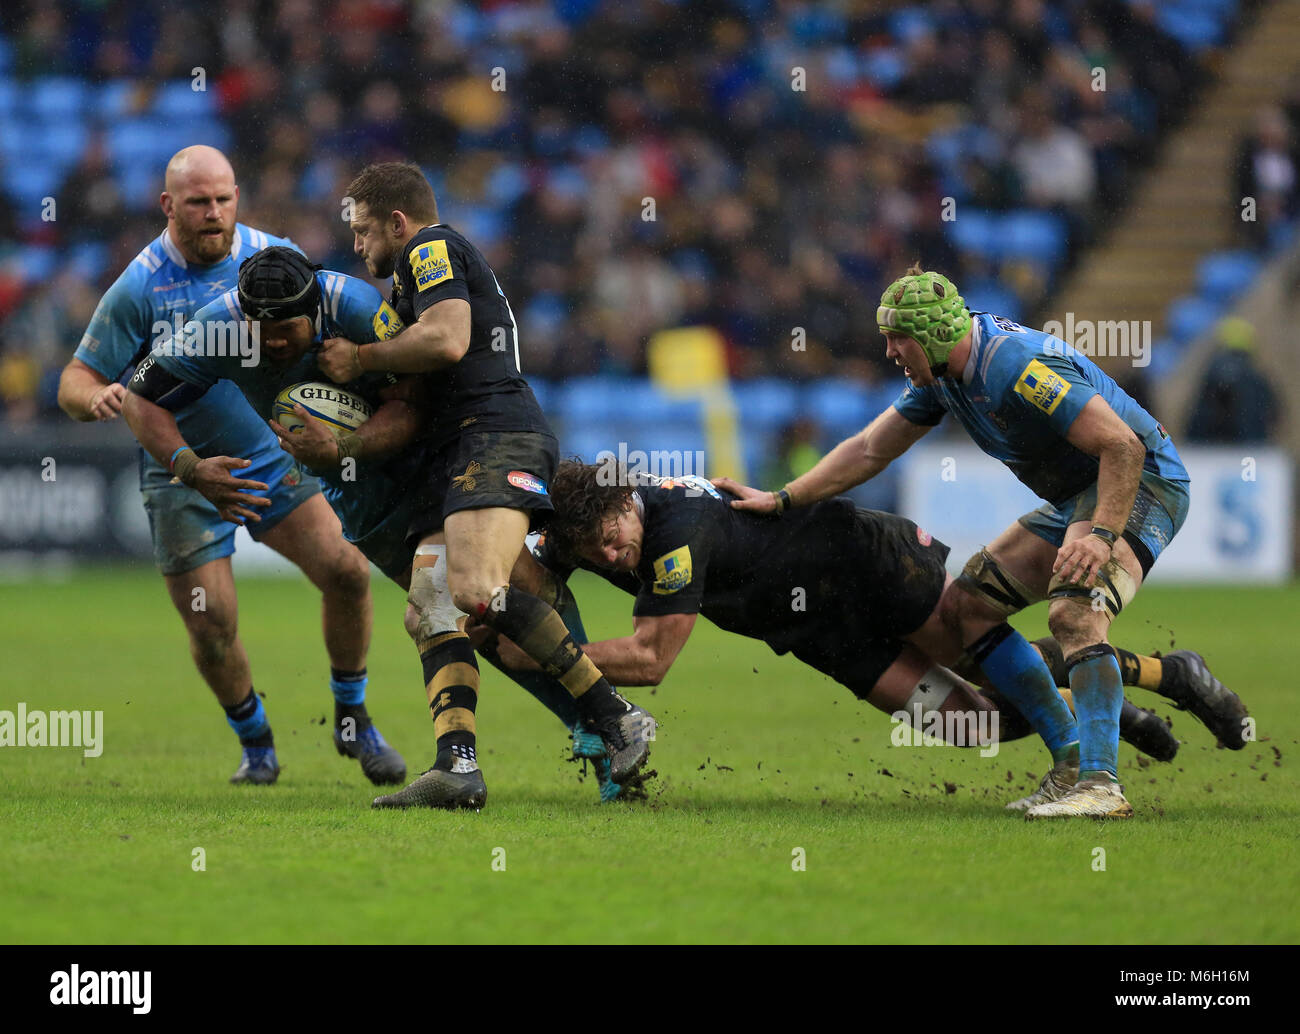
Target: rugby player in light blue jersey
<point>193,261</point>
<point>1115,493</point>
<point>366,474</point>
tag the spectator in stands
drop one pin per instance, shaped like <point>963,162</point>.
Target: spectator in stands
<point>1268,170</point>
<point>1235,403</point>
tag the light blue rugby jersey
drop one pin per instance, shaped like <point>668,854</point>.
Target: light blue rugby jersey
<point>158,289</point>
<point>352,309</point>
<point>1017,397</point>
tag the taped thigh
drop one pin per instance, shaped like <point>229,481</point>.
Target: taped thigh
<point>984,578</point>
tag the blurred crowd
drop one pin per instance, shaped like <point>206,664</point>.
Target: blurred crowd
<point>626,166</point>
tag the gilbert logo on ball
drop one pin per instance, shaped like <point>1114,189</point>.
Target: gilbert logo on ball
<point>338,409</point>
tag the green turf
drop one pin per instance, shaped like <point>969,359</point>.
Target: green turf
<point>758,756</point>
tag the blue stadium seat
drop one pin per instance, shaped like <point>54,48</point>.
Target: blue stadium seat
<point>989,295</point>
<point>36,263</point>
<point>1222,274</point>
<point>840,407</point>
<point>594,399</point>
<point>113,100</point>
<point>1033,236</point>
<point>652,407</point>
<point>60,144</point>
<point>884,67</point>
<point>977,231</point>
<point>87,261</point>
<point>1196,30</point>
<point>9,97</point>
<point>179,100</point>
<point>57,98</point>
<point>27,184</point>
<point>14,137</point>
<point>1166,356</point>
<point>1188,316</point>
<point>766,404</point>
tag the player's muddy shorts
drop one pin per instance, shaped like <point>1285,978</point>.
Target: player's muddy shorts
<point>511,469</point>
<point>389,546</point>
<point>898,575</point>
<point>1158,513</point>
<point>187,533</point>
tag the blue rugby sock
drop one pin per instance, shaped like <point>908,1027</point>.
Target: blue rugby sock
<point>248,719</point>
<point>1019,673</point>
<point>1098,697</point>
<point>348,687</point>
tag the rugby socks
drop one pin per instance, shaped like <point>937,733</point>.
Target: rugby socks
<point>1136,670</point>
<point>540,632</point>
<point>349,689</point>
<point>1098,699</point>
<point>451,686</point>
<point>548,691</point>
<point>1019,673</point>
<point>248,719</point>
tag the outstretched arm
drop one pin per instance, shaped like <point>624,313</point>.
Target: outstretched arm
<point>850,463</point>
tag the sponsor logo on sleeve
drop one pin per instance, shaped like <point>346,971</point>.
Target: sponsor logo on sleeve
<point>527,482</point>
<point>673,571</point>
<point>430,265</point>
<point>386,322</point>
<point>1043,388</point>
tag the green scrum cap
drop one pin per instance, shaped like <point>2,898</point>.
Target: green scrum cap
<point>927,308</point>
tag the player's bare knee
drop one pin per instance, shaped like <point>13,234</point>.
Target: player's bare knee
<point>212,635</point>
<point>1074,624</point>
<point>350,576</point>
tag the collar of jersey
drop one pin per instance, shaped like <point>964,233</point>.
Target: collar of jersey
<point>976,344</point>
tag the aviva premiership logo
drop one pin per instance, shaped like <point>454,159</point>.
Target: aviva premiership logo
<point>1043,388</point>
<point>673,571</point>
<point>386,323</point>
<point>430,265</point>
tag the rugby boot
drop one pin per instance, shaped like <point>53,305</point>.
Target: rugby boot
<point>1096,799</point>
<point>258,766</point>
<point>1191,686</point>
<point>627,739</point>
<point>438,788</point>
<point>1058,782</point>
<point>1147,731</point>
<point>380,762</point>
<point>587,746</point>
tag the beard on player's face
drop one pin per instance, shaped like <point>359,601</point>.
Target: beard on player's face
<point>208,240</point>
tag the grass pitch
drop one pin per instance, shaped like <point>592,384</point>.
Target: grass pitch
<point>762,762</point>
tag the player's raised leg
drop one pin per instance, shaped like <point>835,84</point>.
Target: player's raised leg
<point>312,537</point>
<point>483,546</point>
<point>205,598</point>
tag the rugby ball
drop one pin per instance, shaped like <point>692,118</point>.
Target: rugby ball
<point>337,408</point>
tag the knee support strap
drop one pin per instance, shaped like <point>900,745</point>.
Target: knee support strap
<point>1115,586</point>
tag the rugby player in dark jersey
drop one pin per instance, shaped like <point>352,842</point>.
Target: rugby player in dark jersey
<point>493,456</point>
<point>851,592</point>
